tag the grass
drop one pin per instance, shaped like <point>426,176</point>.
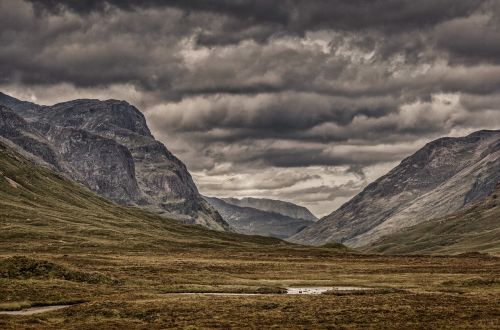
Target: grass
<point>56,237</point>
<point>410,292</point>
<point>15,306</point>
<point>20,267</point>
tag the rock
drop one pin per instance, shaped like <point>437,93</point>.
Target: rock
<point>22,134</point>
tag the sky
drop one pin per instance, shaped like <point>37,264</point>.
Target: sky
<point>306,101</point>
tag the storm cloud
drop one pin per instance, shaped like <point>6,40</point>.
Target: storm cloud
<point>307,101</point>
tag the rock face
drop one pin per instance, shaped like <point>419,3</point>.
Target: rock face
<point>107,146</point>
<point>442,177</point>
<point>23,135</point>
<point>275,206</point>
<point>252,221</point>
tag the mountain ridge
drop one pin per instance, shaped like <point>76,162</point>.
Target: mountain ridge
<point>273,205</point>
<point>440,178</point>
<point>252,221</point>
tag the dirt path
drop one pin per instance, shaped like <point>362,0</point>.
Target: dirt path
<point>34,310</point>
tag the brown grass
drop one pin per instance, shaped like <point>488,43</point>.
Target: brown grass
<point>411,292</point>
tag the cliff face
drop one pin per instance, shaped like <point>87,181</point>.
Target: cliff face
<point>108,147</point>
<point>18,131</point>
<point>442,177</point>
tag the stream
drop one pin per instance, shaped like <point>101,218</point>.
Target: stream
<point>289,290</point>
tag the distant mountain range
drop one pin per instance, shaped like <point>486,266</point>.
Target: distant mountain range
<point>107,146</point>
<point>445,176</point>
<point>266,217</point>
<point>275,206</point>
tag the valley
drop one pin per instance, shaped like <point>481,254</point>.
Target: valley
<point>250,164</point>
<point>122,267</point>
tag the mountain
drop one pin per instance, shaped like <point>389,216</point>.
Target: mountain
<point>276,206</point>
<point>474,229</point>
<point>107,146</point>
<point>439,179</point>
<point>253,221</point>
<point>44,211</point>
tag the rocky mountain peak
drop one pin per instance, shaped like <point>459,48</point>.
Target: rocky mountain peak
<point>108,147</point>
<point>97,116</point>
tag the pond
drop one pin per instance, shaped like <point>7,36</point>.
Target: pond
<point>323,289</point>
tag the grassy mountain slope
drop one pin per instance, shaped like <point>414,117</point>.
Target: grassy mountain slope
<point>475,229</point>
<point>42,211</point>
<point>443,177</point>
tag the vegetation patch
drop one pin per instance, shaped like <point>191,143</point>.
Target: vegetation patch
<point>477,281</point>
<point>19,267</point>
<point>271,290</point>
<point>336,246</point>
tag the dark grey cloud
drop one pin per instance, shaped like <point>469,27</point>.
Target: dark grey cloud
<point>273,114</point>
<point>260,10</point>
<point>311,14</point>
<point>87,51</point>
<point>139,42</point>
<point>319,155</point>
<point>325,192</point>
<point>471,39</point>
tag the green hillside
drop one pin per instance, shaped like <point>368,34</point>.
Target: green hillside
<point>475,229</point>
<point>42,211</point>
